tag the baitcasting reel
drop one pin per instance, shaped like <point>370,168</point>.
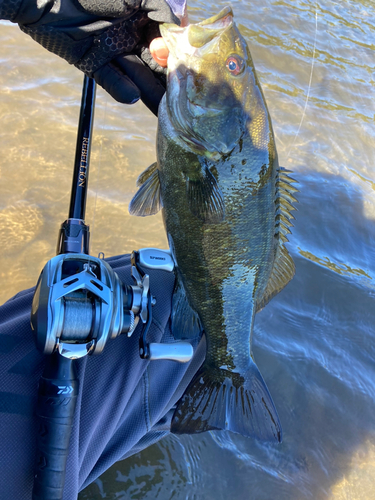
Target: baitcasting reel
<point>80,303</point>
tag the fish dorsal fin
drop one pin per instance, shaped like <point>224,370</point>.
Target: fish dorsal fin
<point>147,200</point>
<point>282,272</point>
<point>185,321</point>
<point>284,199</point>
<point>206,201</point>
<point>283,267</point>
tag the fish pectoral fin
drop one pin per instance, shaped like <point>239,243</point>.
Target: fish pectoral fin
<point>147,200</point>
<point>146,174</point>
<point>219,399</point>
<point>185,321</point>
<point>206,201</point>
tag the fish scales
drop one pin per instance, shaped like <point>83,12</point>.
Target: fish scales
<point>226,208</point>
<point>230,255</point>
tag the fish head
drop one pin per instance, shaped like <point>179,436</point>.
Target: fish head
<point>210,75</point>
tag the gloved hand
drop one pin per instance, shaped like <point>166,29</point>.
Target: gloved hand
<point>106,39</point>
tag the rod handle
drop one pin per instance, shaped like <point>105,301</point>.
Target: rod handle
<point>57,398</point>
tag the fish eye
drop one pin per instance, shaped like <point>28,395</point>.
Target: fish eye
<point>235,65</point>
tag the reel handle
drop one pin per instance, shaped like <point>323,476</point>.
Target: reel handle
<point>154,258</point>
<point>57,398</point>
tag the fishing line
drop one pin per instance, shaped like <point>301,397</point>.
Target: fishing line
<point>311,74</point>
<point>96,186</point>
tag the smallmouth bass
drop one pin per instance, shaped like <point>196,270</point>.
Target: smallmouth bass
<point>226,207</point>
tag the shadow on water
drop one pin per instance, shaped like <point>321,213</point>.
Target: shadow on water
<point>314,344</point>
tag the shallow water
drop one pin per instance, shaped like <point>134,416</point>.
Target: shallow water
<point>314,343</point>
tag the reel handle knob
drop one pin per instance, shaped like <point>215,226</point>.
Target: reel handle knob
<point>178,351</point>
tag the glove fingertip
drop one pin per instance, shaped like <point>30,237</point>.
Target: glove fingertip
<point>160,11</point>
<point>161,18</point>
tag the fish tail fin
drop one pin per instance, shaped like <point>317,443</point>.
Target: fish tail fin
<point>220,399</point>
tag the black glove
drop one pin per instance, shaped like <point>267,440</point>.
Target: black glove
<point>106,39</point>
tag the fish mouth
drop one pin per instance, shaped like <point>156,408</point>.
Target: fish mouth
<point>185,46</point>
<point>190,39</point>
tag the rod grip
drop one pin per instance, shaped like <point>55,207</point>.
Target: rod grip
<point>57,398</point>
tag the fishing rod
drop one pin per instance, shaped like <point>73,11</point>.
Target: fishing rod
<point>79,303</point>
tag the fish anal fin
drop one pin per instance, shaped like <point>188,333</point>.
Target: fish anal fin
<point>205,198</point>
<point>185,321</point>
<point>220,399</point>
<point>147,200</point>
